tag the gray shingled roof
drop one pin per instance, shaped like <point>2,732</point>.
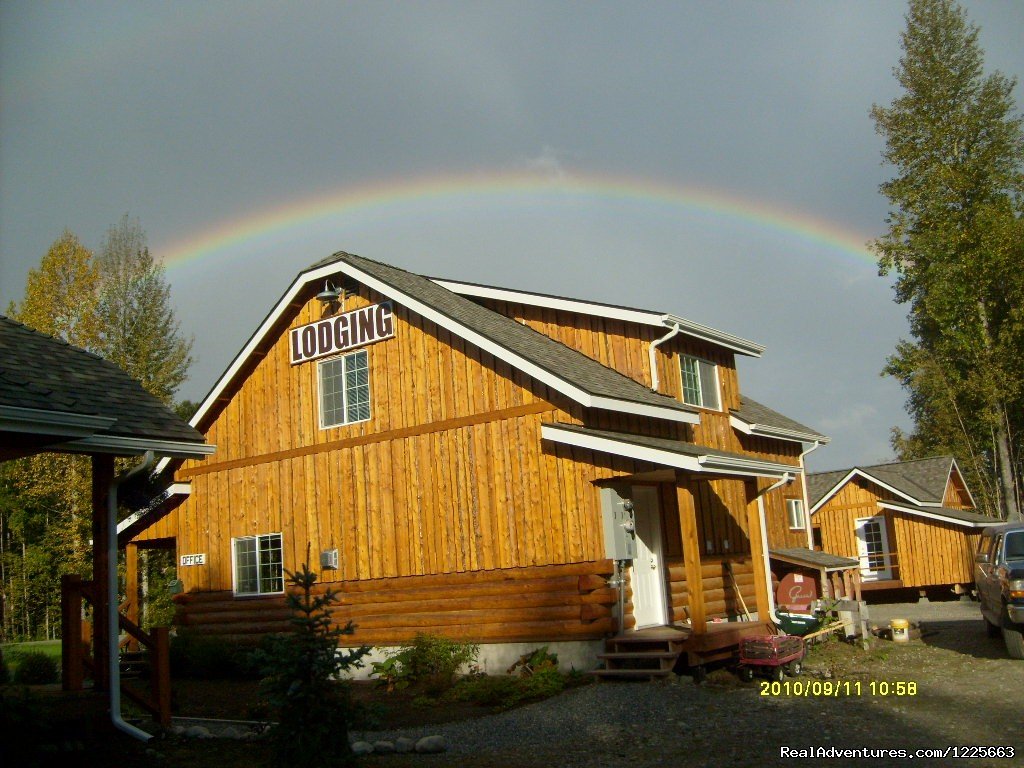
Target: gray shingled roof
<point>44,373</point>
<point>821,483</point>
<point>922,479</point>
<point>567,364</point>
<point>754,412</point>
<point>816,559</point>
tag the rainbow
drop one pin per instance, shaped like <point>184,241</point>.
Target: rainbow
<point>399,200</point>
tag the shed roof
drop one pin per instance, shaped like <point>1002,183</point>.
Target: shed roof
<point>813,558</point>
<point>76,400</point>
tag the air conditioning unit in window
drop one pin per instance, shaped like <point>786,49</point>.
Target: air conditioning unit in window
<point>329,560</point>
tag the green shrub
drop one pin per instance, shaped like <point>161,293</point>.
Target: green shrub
<point>505,692</point>
<point>5,675</point>
<point>430,663</point>
<point>534,661</point>
<point>210,658</point>
<point>35,668</point>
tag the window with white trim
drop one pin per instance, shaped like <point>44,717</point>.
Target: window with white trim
<point>795,513</point>
<point>344,389</point>
<point>700,382</point>
<point>258,566</point>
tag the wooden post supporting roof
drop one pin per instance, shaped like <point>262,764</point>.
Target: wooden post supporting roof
<point>691,552</point>
<point>755,531</point>
<point>102,477</point>
<point>131,568</point>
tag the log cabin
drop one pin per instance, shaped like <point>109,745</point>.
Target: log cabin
<point>509,468</point>
<point>910,524</point>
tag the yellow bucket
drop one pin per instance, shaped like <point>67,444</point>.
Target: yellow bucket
<point>900,630</point>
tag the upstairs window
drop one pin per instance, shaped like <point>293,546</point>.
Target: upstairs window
<point>257,564</point>
<point>700,382</point>
<point>344,390</point>
<point>795,512</point>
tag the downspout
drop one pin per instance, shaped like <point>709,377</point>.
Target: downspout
<point>786,478</point>
<point>654,362</point>
<point>807,498</point>
<point>113,627</point>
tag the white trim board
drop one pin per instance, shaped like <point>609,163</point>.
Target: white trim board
<point>936,515</point>
<point>706,463</point>
<point>597,309</point>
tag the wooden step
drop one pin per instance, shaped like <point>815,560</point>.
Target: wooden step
<point>653,655</point>
<point>630,674</point>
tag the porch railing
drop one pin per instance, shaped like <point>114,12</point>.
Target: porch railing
<point>77,659</point>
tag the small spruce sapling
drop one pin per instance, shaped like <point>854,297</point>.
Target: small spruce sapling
<point>301,682</point>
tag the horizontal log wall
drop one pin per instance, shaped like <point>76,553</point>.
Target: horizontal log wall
<point>571,602</point>
<point>720,593</point>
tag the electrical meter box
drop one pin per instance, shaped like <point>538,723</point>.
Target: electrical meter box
<point>617,516</point>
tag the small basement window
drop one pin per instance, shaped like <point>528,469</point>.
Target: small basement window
<point>257,564</point>
<point>700,382</point>
<point>795,512</point>
<point>344,390</point>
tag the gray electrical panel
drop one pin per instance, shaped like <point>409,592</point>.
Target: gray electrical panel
<point>617,515</point>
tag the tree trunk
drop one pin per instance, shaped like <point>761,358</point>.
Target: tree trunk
<point>1006,480</point>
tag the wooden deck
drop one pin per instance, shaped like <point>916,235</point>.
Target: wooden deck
<point>720,641</point>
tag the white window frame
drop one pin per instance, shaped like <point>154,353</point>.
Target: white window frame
<point>702,367</point>
<point>344,390</point>
<point>234,564</point>
<point>798,506</point>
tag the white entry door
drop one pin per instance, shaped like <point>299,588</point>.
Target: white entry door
<point>873,548</point>
<point>648,579</point>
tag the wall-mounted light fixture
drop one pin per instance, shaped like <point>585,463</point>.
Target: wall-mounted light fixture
<point>329,293</point>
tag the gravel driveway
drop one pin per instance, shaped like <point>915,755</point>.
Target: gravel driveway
<point>968,693</point>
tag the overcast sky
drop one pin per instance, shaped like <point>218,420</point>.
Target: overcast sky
<point>714,160</point>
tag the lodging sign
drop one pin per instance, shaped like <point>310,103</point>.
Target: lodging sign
<point>341,332</point>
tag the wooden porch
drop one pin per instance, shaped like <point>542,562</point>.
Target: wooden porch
<point>658,651</point>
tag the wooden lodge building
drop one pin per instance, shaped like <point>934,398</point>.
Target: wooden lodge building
<point>910,524</point>
<point>474,462</point>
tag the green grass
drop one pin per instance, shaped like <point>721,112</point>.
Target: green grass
<point>13,651</point>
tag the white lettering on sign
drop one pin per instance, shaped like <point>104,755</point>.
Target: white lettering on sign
<point>199,559</point>
<point>345,331</point>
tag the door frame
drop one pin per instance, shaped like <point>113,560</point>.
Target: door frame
<point>864,553</point>
<point>650,557</point>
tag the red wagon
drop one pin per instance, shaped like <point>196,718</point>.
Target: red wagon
<point>772,655</point>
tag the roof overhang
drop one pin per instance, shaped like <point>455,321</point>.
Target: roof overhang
<point>120,445</point>
<point>46,422</point>
<point>936,514</point>
<point>597,309</point>
<point>157,507</point>
<point>778,433</point>
<point>688,457</point>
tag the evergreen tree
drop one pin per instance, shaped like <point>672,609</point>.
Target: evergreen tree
<point>954,242</point>
<point>139,331</point>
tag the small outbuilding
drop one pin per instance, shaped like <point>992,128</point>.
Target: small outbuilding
<point>910,524</point>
